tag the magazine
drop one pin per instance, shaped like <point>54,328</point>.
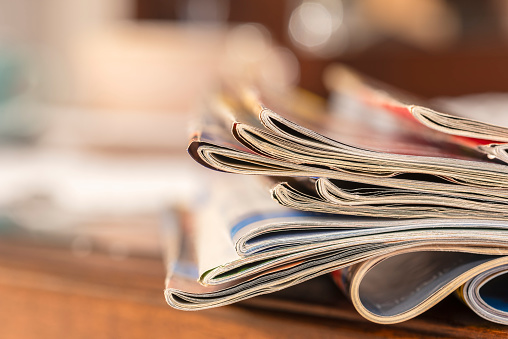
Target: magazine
<point>427,181</point>
<point>237,243</point>
<point>485,137</point>
<point>402,214</point>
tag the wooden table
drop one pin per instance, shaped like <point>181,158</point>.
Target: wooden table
<point>47,292</point>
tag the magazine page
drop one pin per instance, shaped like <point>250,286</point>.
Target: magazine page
<point>416,114</point>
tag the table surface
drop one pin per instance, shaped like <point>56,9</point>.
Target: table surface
<point>47,292</point>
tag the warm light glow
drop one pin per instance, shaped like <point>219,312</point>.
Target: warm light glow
<point>313,23</point>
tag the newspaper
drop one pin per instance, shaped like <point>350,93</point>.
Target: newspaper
<point>237,243</point>
<point>398,170</point>
<point>405,213</point>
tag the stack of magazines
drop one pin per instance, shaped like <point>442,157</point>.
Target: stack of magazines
<point>402,203</point>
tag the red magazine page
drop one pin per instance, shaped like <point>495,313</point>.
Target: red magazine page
<point>408,109</point>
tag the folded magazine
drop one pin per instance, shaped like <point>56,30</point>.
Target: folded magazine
<point>237,243</point>
<point>427,180</point>
<point>356,188</point>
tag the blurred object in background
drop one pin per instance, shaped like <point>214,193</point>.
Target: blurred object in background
<point>57,27</point>
<point>459,42</point>
<point>147,67</point>
<point>318,27</point>
<point>104,200</point>
<point>427,24</point>
<point>17,37</point>
<point>77,127</point>
<point>94,184</point>
<point>138,77</point>
<point>10,75</point>
<point>251,55</point>
<point>463,42</point>
<point>18,122</point>
<point>119,85</point>
<point>105,102</point>
<point>134,85</point>
<point>210,11</point>
<point>86,60</point>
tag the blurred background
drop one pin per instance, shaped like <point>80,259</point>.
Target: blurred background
<point>95,96</point>
<point>95,100</point>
